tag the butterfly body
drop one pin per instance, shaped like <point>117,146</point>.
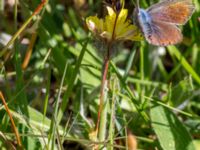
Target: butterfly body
<point>159,22</point>
<point>144,21</point>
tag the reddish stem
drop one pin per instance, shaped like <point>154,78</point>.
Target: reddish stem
<point>11,119</point>
<point>39,8</point>
<point>105,72</point>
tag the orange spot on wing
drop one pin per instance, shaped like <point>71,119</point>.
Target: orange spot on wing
<point>178,11</point>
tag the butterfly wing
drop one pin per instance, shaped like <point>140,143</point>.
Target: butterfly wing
<point>163,34</point>
<point>173,11</point>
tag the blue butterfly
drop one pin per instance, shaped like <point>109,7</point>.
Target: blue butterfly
<point>159,22</point>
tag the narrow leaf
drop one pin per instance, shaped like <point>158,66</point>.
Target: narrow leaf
<point>171,133</point>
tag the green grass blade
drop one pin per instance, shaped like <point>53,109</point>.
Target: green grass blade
<point>130,93</point>
<point>184,63</point>
<point>71,82</point>
<point>129,64</point>
<point>54,124</point>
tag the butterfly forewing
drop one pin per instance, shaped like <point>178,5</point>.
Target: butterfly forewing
<point>174,11</point>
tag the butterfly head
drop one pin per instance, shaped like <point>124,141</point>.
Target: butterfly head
<point>136,12</point>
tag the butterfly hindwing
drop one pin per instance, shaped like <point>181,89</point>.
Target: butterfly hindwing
<point>163,34</point>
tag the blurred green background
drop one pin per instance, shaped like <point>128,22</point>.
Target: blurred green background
<point>64,71</point>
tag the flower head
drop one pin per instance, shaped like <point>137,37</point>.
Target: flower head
<point>115,26</point>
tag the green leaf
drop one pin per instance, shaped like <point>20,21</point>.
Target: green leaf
<point>181,92</point>
<point>171,133</point>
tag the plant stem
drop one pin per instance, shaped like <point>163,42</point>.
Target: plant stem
<point>11,119</point>
<point>105,72</point>
<point>103,118</point>
<point>14,37</point>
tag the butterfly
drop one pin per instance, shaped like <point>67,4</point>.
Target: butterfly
<point>159,23</point>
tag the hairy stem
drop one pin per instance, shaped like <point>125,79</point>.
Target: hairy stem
<point>105,72</point>
<point>104,76</point>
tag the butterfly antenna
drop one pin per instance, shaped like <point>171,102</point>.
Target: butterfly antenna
<point>138,3</point>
